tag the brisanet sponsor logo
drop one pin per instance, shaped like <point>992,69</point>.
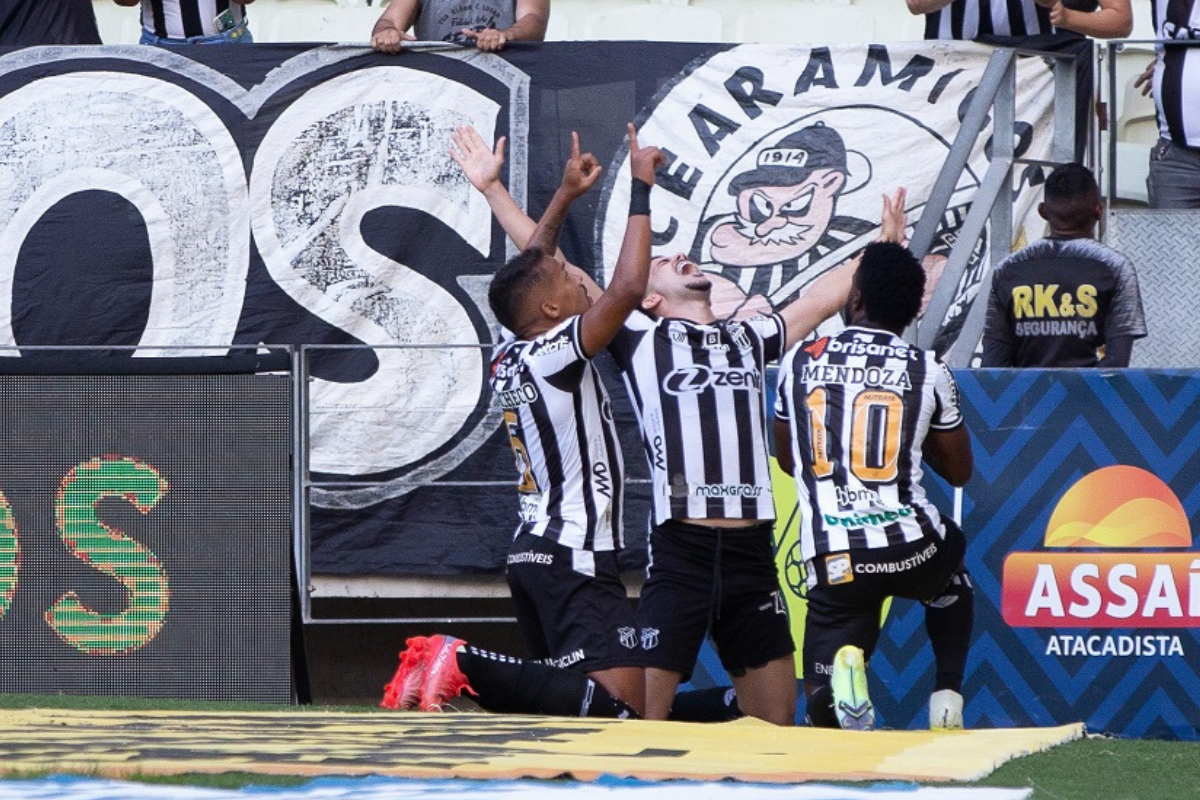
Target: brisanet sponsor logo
<point>1117,527</point>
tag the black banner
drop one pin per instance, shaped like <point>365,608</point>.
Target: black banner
<point>159,199</point>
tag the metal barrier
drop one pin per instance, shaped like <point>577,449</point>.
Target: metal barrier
<point>1160,242</point>
<point>406,587</point>
<point>995,95</point>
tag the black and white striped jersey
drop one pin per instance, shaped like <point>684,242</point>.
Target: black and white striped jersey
<point>970,19</point>
<point>182,19</point>
<point>559,422</point>
<point>698,391</point>
<point>1177,71</point>
<point>859,405</point>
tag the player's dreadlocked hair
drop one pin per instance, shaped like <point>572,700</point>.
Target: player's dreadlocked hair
<point>891,282</point>
<point>511,285</point>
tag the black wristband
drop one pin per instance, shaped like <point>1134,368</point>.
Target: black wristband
<point>639,198</point>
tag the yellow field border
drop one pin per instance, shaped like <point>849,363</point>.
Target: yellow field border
<point>119,743</point>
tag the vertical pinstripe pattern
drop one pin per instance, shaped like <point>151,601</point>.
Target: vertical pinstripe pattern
<point>699,395</point>
<point>559,420</point>
<point>181,19</point>
<point>1177,72</point>
<point>859,406</point>
<point>970,19</point>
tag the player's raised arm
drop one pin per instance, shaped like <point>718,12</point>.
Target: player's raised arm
<point>624,293</point>
<point>580,174</point>
<point>828,293</point>
<point>481,165</point>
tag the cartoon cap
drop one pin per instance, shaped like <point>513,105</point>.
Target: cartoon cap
<point>794,158</point>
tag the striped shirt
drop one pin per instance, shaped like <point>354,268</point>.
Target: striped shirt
<point>859,405</point>
<point>970,19</point>
<point>1177,71</point>
<point>559,422</point>
<point>698,391</point>
<point>183,19</point>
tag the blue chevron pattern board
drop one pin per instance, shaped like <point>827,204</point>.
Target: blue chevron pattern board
<point>1080,518</point>
<point>67,788</point>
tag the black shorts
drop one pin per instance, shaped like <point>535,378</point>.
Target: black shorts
<point>846,603</point>
<point>571,606</point>
<point>719,580</point>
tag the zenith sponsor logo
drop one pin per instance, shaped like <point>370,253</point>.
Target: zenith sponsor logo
<point>697,378</point>
<point>1115,509</point>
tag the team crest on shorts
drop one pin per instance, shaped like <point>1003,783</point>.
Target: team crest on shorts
<point>628,636</point>
<point>838,569</point>
<point>649,638</point>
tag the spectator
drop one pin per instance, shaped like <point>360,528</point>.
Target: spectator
<point>1065,300</point>
<point>856,415</point>
<point>32,22</point>
<point>1050,25</point>
<point>488,24</point>
<point>178,22</point>
<point>1174,179</point>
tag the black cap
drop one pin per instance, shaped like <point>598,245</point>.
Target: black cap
<point>794,158</point>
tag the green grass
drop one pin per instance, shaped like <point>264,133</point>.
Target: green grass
<point>1099,768</point>
<point>1095,768</point>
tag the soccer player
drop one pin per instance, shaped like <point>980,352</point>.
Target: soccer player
<point>855,416</point>
<point>562,565</point>
<point>712,565</point>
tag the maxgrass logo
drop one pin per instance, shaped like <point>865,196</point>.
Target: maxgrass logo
<point>1117,526</point>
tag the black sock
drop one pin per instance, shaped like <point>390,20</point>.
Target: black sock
<point>948,621</point>
<point>819,708</point>
<point>508,685</point>
<point>706,705</point>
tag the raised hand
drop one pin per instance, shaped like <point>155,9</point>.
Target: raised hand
<point>643,161</point>
<point>581,171</point>
<point>893,221</point>
<point>480,164</point>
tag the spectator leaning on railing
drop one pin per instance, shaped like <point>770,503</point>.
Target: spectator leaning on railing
<point>179,22</point>
<point>488,24</point>
<point>1174,179</point>
<point>1051,25</point>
